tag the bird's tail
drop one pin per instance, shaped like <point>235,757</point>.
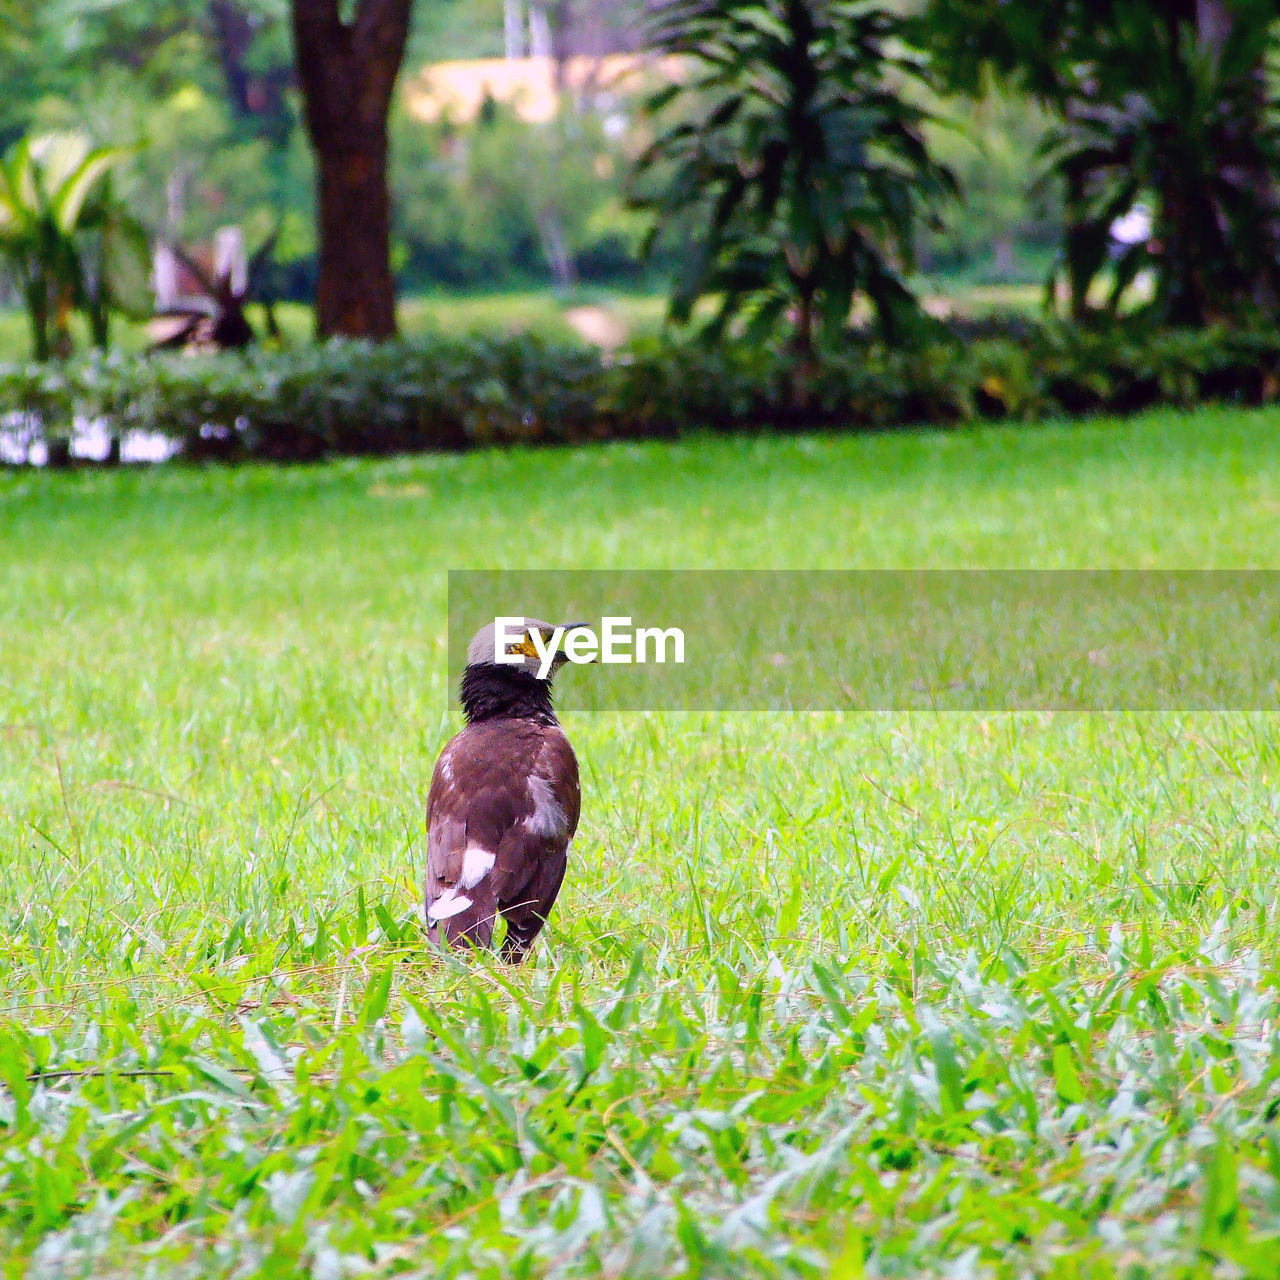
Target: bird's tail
<point>462,918</point>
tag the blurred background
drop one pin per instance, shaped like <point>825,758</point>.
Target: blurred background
<point>723,213</point>
<point>513,129</point>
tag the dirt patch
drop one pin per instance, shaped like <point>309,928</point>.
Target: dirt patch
<point>597,326</point>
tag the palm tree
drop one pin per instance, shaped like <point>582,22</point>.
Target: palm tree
<point>796,166</point>
<point>1164,104</point>
<point>1178,116</point>
<point>66,239</point>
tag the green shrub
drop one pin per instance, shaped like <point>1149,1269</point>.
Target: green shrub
<point>438,393</point>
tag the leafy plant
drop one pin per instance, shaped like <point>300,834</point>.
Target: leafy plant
<point>1166,105</point>
<point>68,242</point>
<point>1008,223</point>
<point>796,161</point>
<point>1178,116</point>
<point>441,393</point>
<point>215,318</point>
<point>502,197</point>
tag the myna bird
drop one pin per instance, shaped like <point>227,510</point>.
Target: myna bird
<point>504,799</point>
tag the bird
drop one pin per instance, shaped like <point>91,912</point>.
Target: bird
<point>504,798</point>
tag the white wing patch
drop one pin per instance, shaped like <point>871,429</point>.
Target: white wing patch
<point>476,864</point>
<point>548,818</point>
<point>448,904</point>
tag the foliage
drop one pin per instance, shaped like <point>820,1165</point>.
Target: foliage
<point>192,168</point>
<point>502,199</point>
<point>799,161</point>
<point>66,239</point>
<point>455,393</point>
<point>239,48</point>
<point>1185,122</point>
<point>900,995</point>
<point>1007,221</point>
<point>198,90</point>
<point>1163,105</point>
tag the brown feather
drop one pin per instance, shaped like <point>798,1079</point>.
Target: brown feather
<point>510,788</point>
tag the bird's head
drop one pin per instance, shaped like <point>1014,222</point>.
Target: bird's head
<point>509,668</point>
<point>525,644</point>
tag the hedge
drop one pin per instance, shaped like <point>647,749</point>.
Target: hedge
<point>353,398</point>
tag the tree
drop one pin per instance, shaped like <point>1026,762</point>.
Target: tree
<point>993,143</point>
<point>67,241</point>
<point>252,52</point>
<point>347,71</point>
<point>797,165</point>
<point>1184,122</point>
<point>1160,104</point>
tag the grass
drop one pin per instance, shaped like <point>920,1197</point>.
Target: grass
<point>598,315</point>
<point>542,311</point>
<point>825,995</point>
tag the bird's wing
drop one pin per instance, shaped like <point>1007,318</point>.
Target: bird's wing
<point>478,794</point>
<point>533,854</point>
<point>559,766</point>
<point>446,825</point>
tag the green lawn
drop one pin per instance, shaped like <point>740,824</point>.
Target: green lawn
<point>555,318</point>
<point>825,995</point>
<point>598,315</point>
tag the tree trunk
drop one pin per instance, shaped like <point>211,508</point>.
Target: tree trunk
<point>38,315</point>
<point>555,246</point>
<point>256,92</point>
<point>803,366</point>
<point>1181,286</point>
<point>234,37</point>
<point>513,28</point>
<point>347,72</point>
<point>802,330</point>
<point>356,295</point>
<point>1079,270</point>
<point>1003,249</point>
